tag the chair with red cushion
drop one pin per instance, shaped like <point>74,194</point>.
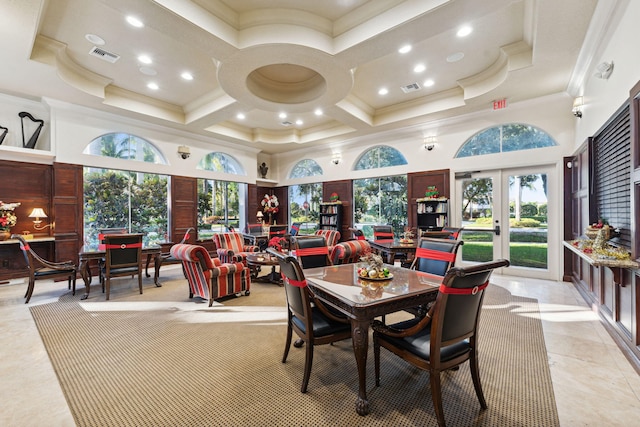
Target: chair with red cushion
<point>446,337</point>
<point>209,278</point>
<point>312,251</point>
<point>231,247</point>
<point>314,323</point>
<point>123,258</point>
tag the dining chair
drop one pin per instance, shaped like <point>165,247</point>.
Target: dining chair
<point>123,258</point>
<point>447,336</point>
<point>383,232</point>
<point>314,323</point>
<point>40,268</point>
<point>279,230</point>
<point>454,232</point>
<point>433,258</point>
<point>312,251</point>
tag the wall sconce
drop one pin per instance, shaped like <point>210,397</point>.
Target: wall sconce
<point>604,70</point>
<point>430,142</point>
<point>38,213</point>
<point>335,159</point>
<point>577,106</point>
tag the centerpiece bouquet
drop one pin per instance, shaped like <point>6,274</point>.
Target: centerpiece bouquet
<point>270,205</point>
<point>7,217</point>
<point>372,267</point>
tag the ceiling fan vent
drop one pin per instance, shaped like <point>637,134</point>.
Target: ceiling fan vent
<point>411,88</point>
<point>103,54</point>
<point>286,123</point>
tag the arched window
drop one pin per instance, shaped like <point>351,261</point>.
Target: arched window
<point>125,146</point>
<point>380,157</point>
<point>306,167</point>
<point>504,138</point>
<point>221,162</point>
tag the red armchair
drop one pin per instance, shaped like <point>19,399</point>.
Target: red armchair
<point>231,247</point>
<point>209,278</point>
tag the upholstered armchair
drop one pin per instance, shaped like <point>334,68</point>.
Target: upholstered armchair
<point>349,252</point>
<point>332,237</point>
<point>209,278</point>
<point>231,247</point>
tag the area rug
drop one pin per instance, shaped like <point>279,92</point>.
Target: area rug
<point>160,359</point>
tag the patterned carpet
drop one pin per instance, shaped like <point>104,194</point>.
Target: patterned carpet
<point>158,359</point>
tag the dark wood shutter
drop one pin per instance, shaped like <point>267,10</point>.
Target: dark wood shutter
<point>612,174</point>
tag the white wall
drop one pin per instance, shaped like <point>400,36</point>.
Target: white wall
<point>618,44</point>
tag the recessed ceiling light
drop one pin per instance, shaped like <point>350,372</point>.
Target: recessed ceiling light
<point>240,116</point>
<point>132,20</point>
<point>187,75</point>
<point>153,86</point>
<point>282,115</point>
<point>144,59</point>
<point>97,40</point>
<point>405,49</point>
<point>455,57</point>
<point>464,31</point>
<point>383,91</point>
<point>318,112</point>
<point>428,83</point>
<point>419,68</point>
<point>148,71</point>
<point>299,122</point>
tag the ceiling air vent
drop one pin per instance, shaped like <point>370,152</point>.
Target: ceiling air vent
<point>103,54</point>
<point>286,123</point>
<point>410,88</point>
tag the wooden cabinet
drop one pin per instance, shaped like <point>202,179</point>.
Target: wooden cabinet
<point>433,214</point>
<point>330,216</point>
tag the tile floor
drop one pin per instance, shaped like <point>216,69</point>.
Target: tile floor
<point>593,382</point>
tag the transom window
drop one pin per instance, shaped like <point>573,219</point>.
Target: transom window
<point>504,138</point>
<point>221,162</point>
<point>306,167</point>
<point>125,146</point>
<point>380,157</point>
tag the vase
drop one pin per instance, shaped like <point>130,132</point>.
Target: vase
<point>5,235</point>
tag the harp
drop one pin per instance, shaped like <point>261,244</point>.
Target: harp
<point>4,133</point>
<point>36,133</point>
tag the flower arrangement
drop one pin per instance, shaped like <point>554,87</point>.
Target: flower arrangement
<point>7,218</point>
<point>277,242</point>
<point>270,204</point>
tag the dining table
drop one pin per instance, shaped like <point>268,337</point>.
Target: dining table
<point>389,248</point>
<point>90,253</point>
<point>363,299</point>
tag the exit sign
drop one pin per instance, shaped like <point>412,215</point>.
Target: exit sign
<point>500,104</point>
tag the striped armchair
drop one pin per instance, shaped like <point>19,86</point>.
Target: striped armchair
<point>349,252</point>
<point>209,278</point>
<point>231,247</point>
<point>332,237</point>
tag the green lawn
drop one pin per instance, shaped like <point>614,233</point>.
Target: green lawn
<point>533,255</point>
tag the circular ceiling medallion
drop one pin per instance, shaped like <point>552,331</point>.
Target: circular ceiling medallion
<point>286,83</point>
<point>270,77</point>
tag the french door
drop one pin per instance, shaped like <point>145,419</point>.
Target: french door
<point>509,213</point>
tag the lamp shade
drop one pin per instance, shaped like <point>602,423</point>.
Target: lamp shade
<point>259,214</point>
<point>37,213</point>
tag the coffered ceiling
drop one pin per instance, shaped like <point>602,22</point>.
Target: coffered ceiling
<point>282,74</point>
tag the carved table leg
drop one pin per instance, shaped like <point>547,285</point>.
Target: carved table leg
<point>360,334</point>
<point>86,277</point>
<point>157,263</point>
